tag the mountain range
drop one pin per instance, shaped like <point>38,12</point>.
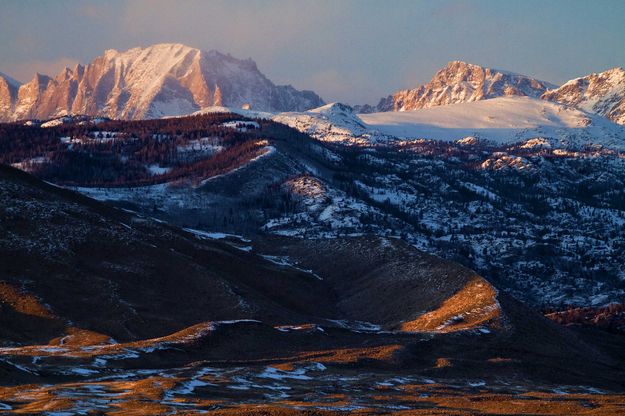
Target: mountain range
<point>179,235</point>
<point>461,82</point>
<point>160,80</point>
<point>174,79</point>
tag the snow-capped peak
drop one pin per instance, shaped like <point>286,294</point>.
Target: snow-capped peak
<point>460,82</point>
<point>602,93</point>
<point>165,79</point>
<point>8,94</point>
<point>332,122</point>
<point>334,110</point>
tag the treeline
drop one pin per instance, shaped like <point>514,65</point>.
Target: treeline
<point>610,317</point>
<point>18,142</point>
<point>189,127</point>
<point>81,169</point>
<point>122,153</point>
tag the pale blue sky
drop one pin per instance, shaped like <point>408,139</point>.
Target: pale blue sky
<point>351,51</point>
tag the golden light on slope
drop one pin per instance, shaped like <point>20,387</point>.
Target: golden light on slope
<point>473,306</point>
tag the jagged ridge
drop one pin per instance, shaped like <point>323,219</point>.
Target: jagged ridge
<point>602,93</point>
<point>160,80</point>
<point>461,82</point>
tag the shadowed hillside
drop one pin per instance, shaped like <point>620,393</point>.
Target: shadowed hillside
<point>115,296</point>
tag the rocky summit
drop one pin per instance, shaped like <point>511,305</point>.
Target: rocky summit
<point>461,82</point>
<point>156,81</point>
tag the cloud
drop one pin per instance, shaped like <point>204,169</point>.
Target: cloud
<point>24,71</point>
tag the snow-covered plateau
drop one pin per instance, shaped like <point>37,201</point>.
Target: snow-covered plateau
<point>503,120</point>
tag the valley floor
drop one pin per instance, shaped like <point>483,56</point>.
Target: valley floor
<point>309,390</point>
<point>123,379</point>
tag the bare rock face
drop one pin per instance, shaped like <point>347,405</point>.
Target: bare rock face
<point>30,97</point>
<point>460,82</point>
<point>602,93</point>
<point>160,80</point>
<point>8,95</point>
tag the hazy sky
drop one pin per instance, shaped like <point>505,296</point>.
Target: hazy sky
<point>350,51</point>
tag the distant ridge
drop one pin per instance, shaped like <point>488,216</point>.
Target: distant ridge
<point>461,82</point>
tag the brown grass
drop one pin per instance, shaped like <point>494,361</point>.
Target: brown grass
<point>144,397</point>
<point>443,363</point>
<point>384,353</point>
<point>23,302</point>
<point>73,343</point>
<point>80,337</point>
<point>472,306</point>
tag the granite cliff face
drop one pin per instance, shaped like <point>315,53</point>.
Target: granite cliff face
<point>8,95</point>
<point>160,80</point>
<point>461,82</point>
<point>602,93</point>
